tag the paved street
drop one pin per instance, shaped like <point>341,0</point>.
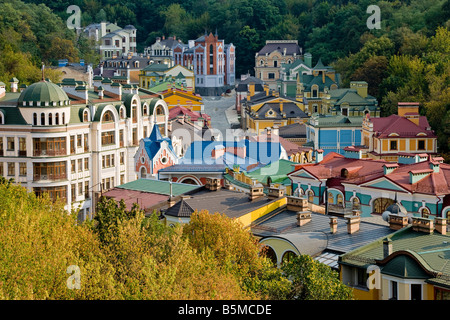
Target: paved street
<point>217,107</point>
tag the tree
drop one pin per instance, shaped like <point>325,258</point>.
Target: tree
<point>237,252</point>
<point>312,280</point>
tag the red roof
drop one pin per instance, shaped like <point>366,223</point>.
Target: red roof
<point>364,170</point>
<point>385,126</point>
<point>180,110</point>
<point>144,199</point>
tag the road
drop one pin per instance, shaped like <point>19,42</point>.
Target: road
<point>216,107</point>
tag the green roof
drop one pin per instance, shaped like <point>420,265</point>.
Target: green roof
<point>158,186</point>
<point>415,255</point>
<point>156,67</point>
<point>43,91</point>
<point>277,171</point>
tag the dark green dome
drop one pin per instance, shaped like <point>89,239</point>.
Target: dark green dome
<point>43,91</point>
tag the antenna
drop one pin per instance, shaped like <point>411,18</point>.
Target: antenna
<point>43,67</point>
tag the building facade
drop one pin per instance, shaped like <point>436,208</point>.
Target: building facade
<point>74,142</point>
<point>269,59</point>
<point>211,60</point>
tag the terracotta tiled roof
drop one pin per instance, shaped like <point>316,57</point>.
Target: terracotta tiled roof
<point>385,126</point>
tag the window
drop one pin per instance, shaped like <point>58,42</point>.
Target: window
<point>271,75</point>
<point>86,190</point>
<point>22,147</point>
<point>73,192</point>
<point>72,144</point>
<point>421,145</point>
<point>416,291</point>
<point>80,165</point>
<point>80,188</point>
<point>73,166</point>
<point>49,170</point>
<point>86,164</point>
<point>393,292</point>
<point>79,140</point>
<point>57,118</point>
<point>393,145</point>
<point>49,146</point>
<point>330,198</point>
<point>108,138</point>
<point>11,168</point>
<point>54,192</point>
<point>22,169</point>
<point>108,116</point>
<point>122,179</point>
<point>10,144</point>
<point>275,64</point>
<point>63,118</point>
<point>1,169</point>
<point>42,119</point>
<point>310,196</point>
<point>50,119</point>
<point>34,119</point>
<point>85,116</point>
<point>86,142</point>
<point>122,158</point>
<point>361,275</point>
<point>121,138</point>
<point>288,256</point>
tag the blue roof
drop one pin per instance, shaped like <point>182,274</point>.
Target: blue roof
<point>200,152</point>
<point>152,144</point>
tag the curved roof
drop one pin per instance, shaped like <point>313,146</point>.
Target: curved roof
<point>43,91</point>
<point>310,243</point>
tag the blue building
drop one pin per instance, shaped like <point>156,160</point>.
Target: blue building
<point>333,133</point>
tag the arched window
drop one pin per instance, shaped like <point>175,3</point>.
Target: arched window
<point>85,116</point>
<point>211,54</point>
<point>356,204</point>
<point>145,110</point>
<point>340,199</point>
<point>143,172</point>
<point>57,118</point>
<point>63,118</point>
<point>288,256</point>
<point>42,119</point>
<point>50,119</point>
<point>1,118</point>
<point>330,198</point>
<point>108,116</point>
<point>34,119</point>
<point>270,253</point>
<point>310,196</point>
<point>425,212</point>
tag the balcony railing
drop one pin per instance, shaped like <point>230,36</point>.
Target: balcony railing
<point>53,177</point>
<point>50,153</point>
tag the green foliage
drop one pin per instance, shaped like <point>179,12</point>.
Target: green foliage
<point>312,280</point>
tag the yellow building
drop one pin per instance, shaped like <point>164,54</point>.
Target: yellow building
<point>268,109</point>
<point>175,97</point>
<point>409,264</point>
<point>155,73</point>
<point>406,132</point>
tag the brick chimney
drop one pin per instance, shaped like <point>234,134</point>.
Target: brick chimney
<point>213,184</point>
<point>424,225</point>
<point>297,203</point>
<point>441,225</point>
<point>303,218</point>
<point>333,224</point>
<point>275,193</point>
<point>353,223</point>
<point>397,222</point>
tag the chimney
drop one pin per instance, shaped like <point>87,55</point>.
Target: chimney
<point>303,218</point>
<point>397,222</point>
<point>319,155</point>
<point>276,130</point>
<point>2,89</point>
<point>275,193</point>
<point>14,83</point>
<point>297,203</point>
<point>213,184</point>
<point>360,86</point>
<point>353,223</point>
<point>434,165</point>
<point>333,224</point>
<point>441,225</point>
<point>256,191</point>
<point>409,110</point>
<point>424,225</point>
<point>387,247</point>
<point>100,92</point>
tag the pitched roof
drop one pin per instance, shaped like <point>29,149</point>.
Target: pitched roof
<point>285,223</point>
<point>291,48</point>
<point>153,143</point>
<point>385,126</point>
<point>158,187</point>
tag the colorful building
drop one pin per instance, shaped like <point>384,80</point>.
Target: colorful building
<point>269,60</point>
<point>161,52</point>
<point>405,132</point>
<point>344,183</point>
<point>265,110</point>
<point>155,152</point>
<point>211,60</point>
<point>155,74</point>
<point>333,133</point>
<point>409,264</point>
<point>73,141</point>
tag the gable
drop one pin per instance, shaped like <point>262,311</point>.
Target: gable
<point>383,183</point>
<point>302,173</point>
